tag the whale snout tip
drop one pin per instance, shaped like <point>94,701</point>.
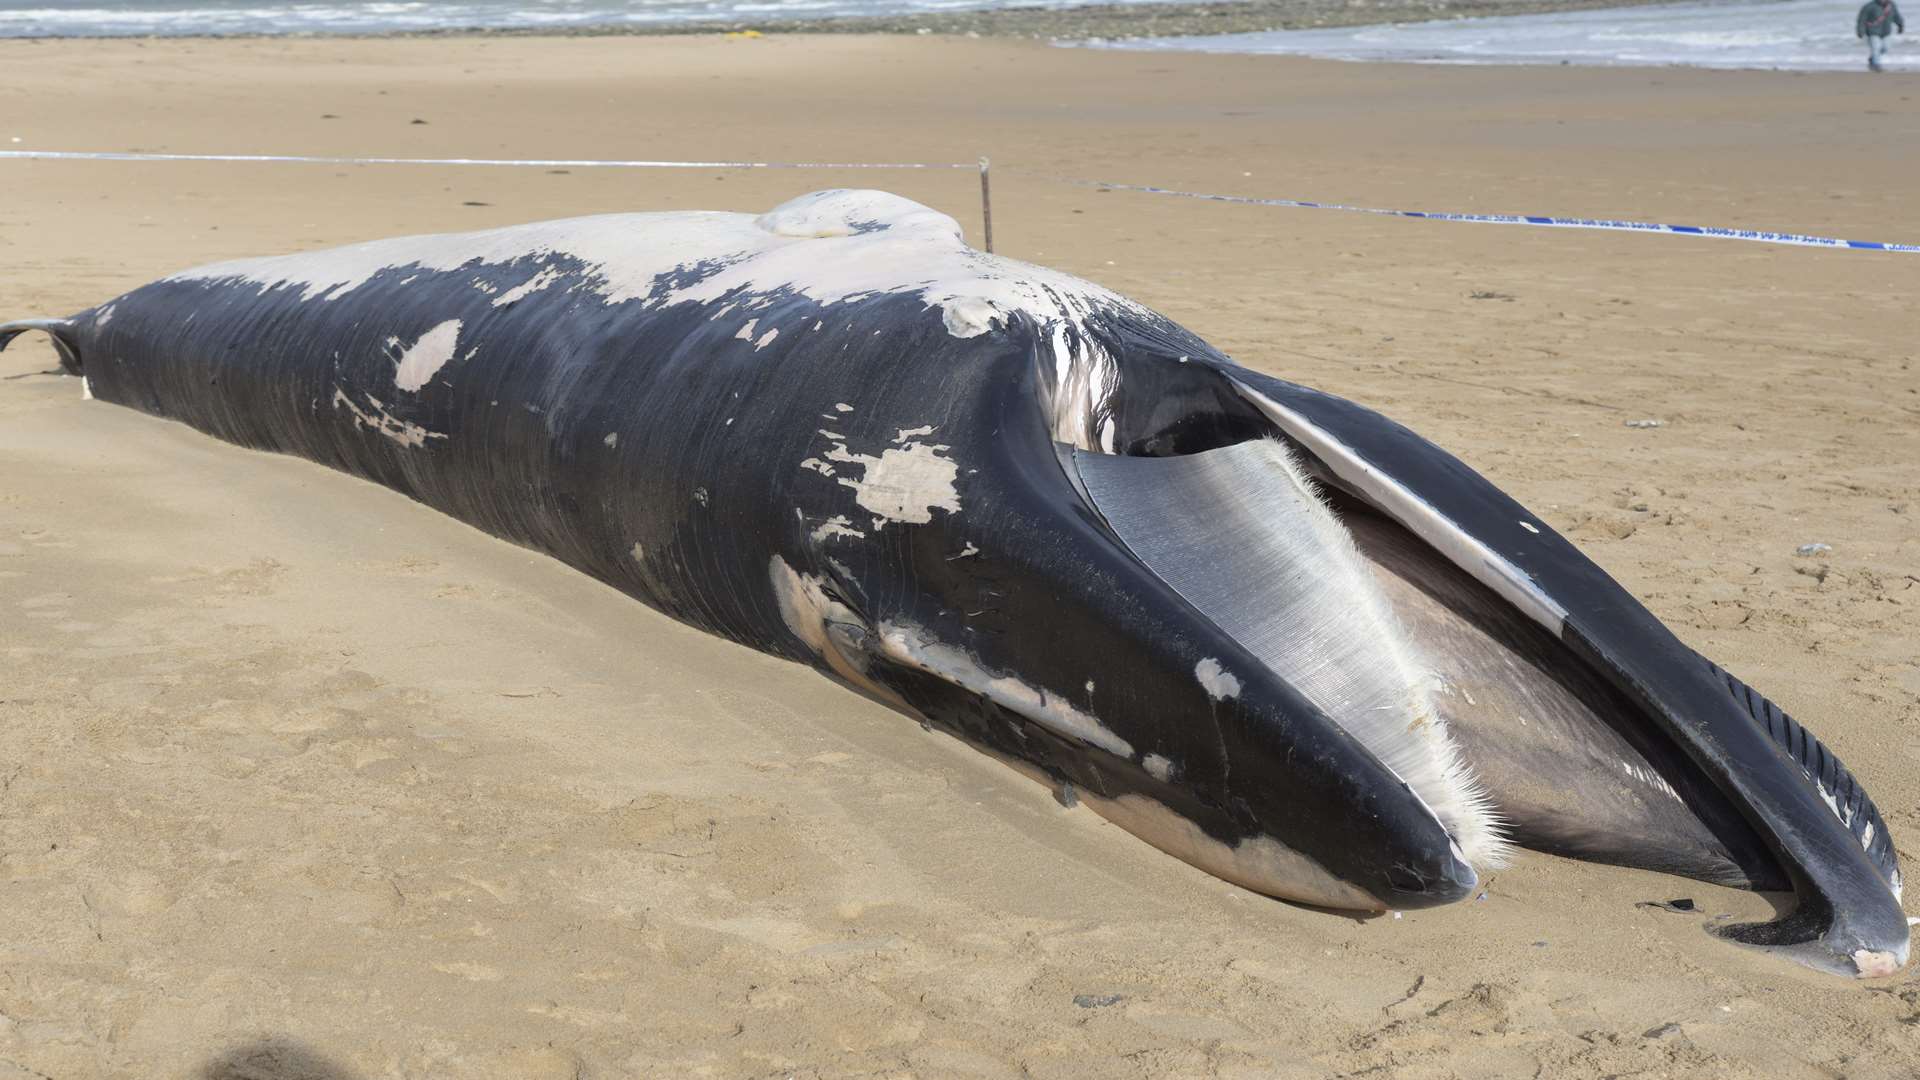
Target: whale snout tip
<point>1446,881</point>
<point>1878,963</point>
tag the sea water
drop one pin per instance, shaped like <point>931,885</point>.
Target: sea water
<point>1792,35</point>
<point>94,18</point>
<point>1803,35</point>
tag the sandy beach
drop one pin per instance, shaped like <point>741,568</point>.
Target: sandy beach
<point>301,780</point>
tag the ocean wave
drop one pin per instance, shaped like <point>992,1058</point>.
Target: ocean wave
<point>1791,35</point>
<point>39,18</point>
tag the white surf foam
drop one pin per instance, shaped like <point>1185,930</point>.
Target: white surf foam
<point>45,18</point>
<point>1790,35</point>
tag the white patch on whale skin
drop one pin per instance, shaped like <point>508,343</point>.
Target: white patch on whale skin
<point>1260,863</point>
<point>908,644</point>
<point>904,484</point>
<point>805,606</point>
<point>969,316</point>
<point>401,431</point>
<point>105,316</point>
<point>1157,767</point>
<point>1219,683</point>
<point>837,525</point>
<point>612,440</point>
<point>766,339</point>
<point>811,614</point>
<point>830,246</point>
<point>745,333</point>
<point>639,552</point>
<point>1844,814</point>
<point>425,357</point>
<point>547,276</point>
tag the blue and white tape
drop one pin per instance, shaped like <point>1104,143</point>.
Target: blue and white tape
<point>1761,236</point>
<point>555,163</point>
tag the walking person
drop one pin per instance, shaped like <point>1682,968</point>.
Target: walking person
<point>1876,20</point>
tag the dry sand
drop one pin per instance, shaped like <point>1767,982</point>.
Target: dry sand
<point>298,779</point>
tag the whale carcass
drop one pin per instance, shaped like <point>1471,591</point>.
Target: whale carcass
<point>1267,630</point>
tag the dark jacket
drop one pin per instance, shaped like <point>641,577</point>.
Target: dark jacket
<point>1877,20</point>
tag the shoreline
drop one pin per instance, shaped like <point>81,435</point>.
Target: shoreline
<point>1093,21</point>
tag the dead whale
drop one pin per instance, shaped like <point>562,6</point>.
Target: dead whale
<point>1267,630</point>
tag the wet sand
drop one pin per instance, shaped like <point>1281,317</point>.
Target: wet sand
<point>1122,20</point>
<point>300,779</point>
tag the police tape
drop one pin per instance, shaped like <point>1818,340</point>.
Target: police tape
<point>982,164</point>
<point>554,163</point>
<point>1761,236</point>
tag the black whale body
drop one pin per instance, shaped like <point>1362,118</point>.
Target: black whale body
<point>1032,513</point>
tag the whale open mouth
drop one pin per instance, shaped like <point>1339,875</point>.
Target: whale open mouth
<point>1503,733</point>
<point>1516,690</point>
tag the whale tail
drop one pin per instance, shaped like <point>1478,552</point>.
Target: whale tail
<point>62,331</point>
